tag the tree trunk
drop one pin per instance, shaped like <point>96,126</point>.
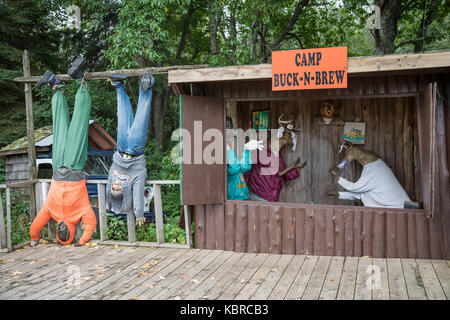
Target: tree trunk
<point>254,36</point>
<point>429,16</point>
<point>390,11</point>
<point>233,34</point>
<point>157,126</point>
<point>213,25</point>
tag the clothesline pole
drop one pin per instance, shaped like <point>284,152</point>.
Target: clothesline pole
<point>30,133</point>
<point>103,75</point>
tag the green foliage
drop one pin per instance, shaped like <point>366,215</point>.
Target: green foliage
<point>117,228</point>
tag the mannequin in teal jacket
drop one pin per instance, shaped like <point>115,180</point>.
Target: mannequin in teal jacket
<point>237,187</point>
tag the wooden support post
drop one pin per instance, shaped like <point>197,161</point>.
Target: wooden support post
<point>45,186</point>
<point>131,225</point>
<point>30,133</point>
<point>8,217</point>
<point>187,225</point>
<point>102,216</point>
<point>158,213</point>
<point>2,226</point>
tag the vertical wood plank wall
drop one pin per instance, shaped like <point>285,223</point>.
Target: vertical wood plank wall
<point>291,228</point>
<point>389,134</point>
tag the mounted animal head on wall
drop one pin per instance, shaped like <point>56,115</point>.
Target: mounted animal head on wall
<point>286,133</point>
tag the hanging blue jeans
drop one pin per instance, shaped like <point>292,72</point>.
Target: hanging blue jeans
<point>132,133</point>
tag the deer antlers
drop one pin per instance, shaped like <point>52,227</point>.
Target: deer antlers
<point>288,123</point>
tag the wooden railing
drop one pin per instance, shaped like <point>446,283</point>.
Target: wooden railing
<point>41,190</point>
<point>5,231</point>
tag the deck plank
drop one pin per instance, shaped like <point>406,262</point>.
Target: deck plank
<point>34,270</point>
<point>265,289</point>
<point>380,290</point>
<point>165,268</point>
<point>217,276</point>
<point>363,289</point>
<point>348,279</point>
<point>302,278</point>
<point>125,272</point>
<point>177,279</point>
<point>332,280</point>
<point>443,272</point>
<point>315,284</point>
<point>397,284</point>
<point>414,283</point>
<point>285,282</point>
<point>94,272</point>
<point>148,267</point>
<point>53,273</point>
<point>230,285</point>
<point>204,275</point>
<point>252,284</point>
<point>138,273</point>
<point>430,280</point>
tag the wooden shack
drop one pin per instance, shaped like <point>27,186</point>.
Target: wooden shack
<point>404,101</point>
<point>16,153</point>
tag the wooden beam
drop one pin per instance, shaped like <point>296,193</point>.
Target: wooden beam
<point>30,134</point>
<point>22,184</point>
<point>102,216</point>
<point>131,226</point>
<point>3,244</point>
<point>106,74</point>
<point>187,225</point>
<point>356,65</point>
<point>8,218</point>
<point>158,213</point>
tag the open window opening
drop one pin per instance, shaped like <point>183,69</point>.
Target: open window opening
<point>310,133</point>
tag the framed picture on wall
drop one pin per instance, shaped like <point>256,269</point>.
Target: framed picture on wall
<point>355,132</point>
<point>261,120</point>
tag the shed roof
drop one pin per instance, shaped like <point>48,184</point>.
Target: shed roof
<point>395,63</point>
<point>98,138</point>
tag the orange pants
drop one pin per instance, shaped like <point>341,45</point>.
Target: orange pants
<point>68,201</point>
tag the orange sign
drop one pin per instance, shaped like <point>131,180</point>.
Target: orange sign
<point>322,68</point>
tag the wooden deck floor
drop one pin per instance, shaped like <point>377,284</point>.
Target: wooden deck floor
<point>106,272</point>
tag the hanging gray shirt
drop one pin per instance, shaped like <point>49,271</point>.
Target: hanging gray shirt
<point>126,183</point>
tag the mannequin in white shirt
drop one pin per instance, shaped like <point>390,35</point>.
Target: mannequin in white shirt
<point>377,186</point>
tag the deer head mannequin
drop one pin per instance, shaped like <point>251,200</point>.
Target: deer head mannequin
<point>353,152</point>
<point>285,135</point>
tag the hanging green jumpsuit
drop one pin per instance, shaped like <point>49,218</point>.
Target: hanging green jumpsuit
<point>237,187</point>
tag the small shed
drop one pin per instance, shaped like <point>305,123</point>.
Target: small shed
<point>16,153</point>
<point>403,101</point>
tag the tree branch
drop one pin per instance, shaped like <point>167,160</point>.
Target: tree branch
<point>301,4</point>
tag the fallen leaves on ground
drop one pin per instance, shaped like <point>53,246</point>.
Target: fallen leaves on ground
<point>331,279</point>
<point>100,275</point>
<point>195,281</point>
<point>149,286</point>
<point>161,277</point>
<point>134,298</point>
